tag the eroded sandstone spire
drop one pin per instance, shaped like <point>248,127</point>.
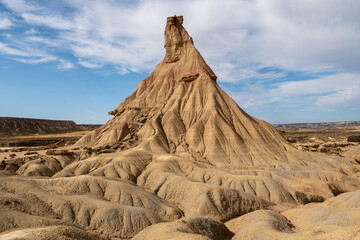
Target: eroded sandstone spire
<point>176,39</point>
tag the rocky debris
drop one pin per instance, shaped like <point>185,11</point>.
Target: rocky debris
<point>354,139</point>
<point>11,165</point>
<point>60,152</point>
<point>142,119</point>
<point>329,145</point>
<point>291,140</point>
<point>353,153</point>
<point>189,77</point>
<point>32,163</point>
<point>30,153</point>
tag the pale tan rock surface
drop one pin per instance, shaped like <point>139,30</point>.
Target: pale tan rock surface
<point>51,233</point>
<point>181,155</point>
<point>336,218</point>
<point>115,207</point>
<point>353,153</point>
<point>188,228</point>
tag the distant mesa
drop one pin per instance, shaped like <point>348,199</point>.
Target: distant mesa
<point>323,125</point>
<point>10,126</point>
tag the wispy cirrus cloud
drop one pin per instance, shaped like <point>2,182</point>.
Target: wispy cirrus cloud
<point>51,21</point>
<point>332,92</point>
<point>5,49</point>
<point>65,65</point>
<point>89,64</point>
<point>19,6</point>
<point>36,60</point>
<point>33,39</point>
<point>25,53</point>
<point>5,22</point>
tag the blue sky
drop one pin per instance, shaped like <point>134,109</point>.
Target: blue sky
<point>282,61</point>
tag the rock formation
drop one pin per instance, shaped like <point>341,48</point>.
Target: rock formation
<point>181,155</point>
<point>180,109</point>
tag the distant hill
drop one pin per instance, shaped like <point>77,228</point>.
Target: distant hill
<point>325,125</point>
<point>88,127</point>
<point>10,126</point>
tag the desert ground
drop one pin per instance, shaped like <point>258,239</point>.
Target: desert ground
<point>329,138</point>
<point>181,160</point>
<point>275,222</point>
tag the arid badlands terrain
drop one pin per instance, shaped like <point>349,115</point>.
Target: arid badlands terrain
<point>181,160</point>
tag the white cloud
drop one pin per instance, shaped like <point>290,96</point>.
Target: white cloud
<point>335,91</point>
<point>42,40</point>
<point>345,98</point>
<point>65,65</point>
<point>52,21</point>
<point>5,49</point>
<point>18,5</point>
<point>89,64</point>
<point>25,53</point>
<point>5,23</point>
<point>32,60</point>
<point>234,36</point>
<point>31,31</point>
<point>121,70</point>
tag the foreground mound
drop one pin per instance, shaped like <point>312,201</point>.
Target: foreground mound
<point>190,228</point>
<point>176,148</point>
<point>49,233</point>
<point>336,218</point>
